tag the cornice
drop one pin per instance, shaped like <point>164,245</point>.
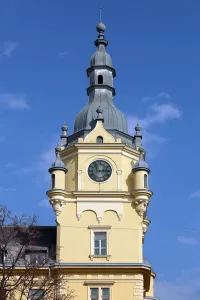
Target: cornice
<point>58,192</point>
<point>100,67</point>
<point>94,194</point>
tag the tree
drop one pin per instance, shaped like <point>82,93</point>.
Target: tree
<point>27,269</point>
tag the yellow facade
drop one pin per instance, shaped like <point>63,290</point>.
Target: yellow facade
<point>116,206</point>
<point>100,195</point>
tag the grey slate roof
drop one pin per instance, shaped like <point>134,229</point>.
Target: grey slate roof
<point>113,117</point>
<point>141,164</point>
<point>101,95</point>
<point>101,57</point>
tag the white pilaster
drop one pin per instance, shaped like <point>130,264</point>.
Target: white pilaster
<point>119,180</point>
<point>80,174</point>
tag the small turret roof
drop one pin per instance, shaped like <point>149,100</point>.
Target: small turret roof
<point>58,163</point>
<point>141,164</point>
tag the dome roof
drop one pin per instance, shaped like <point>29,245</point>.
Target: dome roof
<point>100,58</point>
<point>113,117</point>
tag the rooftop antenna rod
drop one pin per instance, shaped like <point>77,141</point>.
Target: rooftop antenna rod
<point>100,13</point>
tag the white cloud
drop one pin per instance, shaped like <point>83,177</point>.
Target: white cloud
<point>63,53</point>
<point>153,138</point>
<point>14,101</point>
<point>195,195</point>
<point>161,96</point>
<point>9,48</point>
<point>187,240</point>
<point>184,287</point>
<point>157,113</point>
<point>44,203</point>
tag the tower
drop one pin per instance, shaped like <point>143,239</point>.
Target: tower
<point>100,195</point>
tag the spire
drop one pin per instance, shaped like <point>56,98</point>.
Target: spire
<point>138,136</point>
<point>63,136</point>
<point>101,93</point>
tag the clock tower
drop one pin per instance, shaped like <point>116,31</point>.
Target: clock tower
<point>100,194</point>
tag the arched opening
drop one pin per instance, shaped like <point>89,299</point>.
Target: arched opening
<point>53,181</point>
<point>100,79</point>
<point>99,140</point>
<point>145,181</point>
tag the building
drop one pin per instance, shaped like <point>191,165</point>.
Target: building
<point>100,195</point>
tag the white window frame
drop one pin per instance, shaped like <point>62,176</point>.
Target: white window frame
<point>97,229</point>
<point>100,286</point>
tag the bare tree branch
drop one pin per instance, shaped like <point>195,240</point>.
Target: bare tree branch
<point>25,262</point>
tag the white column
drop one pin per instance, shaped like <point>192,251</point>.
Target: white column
<point>80,172</point>
<point>119,180</point>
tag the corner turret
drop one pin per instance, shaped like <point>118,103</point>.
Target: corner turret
<point>141,192</point>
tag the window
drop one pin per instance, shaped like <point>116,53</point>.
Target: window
<point>99,294</point>
<point>100,243</point>
<point>3,255</point>
<point>37,257</point>
<point>53,181</point>
<point>100,79</point>
<point>145,181</point>
<point>99,140</point>
<point>35,294</point>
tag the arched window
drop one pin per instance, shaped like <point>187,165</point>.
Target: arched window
<point>145,181</point>
<point>99,140</point>
<point>100,79</point>
<point>53,181</point>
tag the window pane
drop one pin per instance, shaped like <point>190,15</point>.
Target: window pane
<point>41,257</point>
<point>105,293</point>
<point>94,294</point>
<point>103,244</point>
<point>96,244</point>
<point>103,252</point>
<point>35,294</point>
<point>33,257</point>
<point>96,251</point>
<point>145,181</point>
<point>100,235</point>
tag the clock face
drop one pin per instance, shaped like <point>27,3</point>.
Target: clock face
<point>99,170</point>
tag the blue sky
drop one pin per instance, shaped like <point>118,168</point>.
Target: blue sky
<point>45,47</point>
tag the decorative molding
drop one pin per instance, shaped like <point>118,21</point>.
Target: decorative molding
<point>99,282</point>
<point>141,200</point>
<point>141,206</point>
<point>145,225</point>
<point>92,257</point>
<point>102,227</point>
<point>57,205</point>
<point>99,208</point>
